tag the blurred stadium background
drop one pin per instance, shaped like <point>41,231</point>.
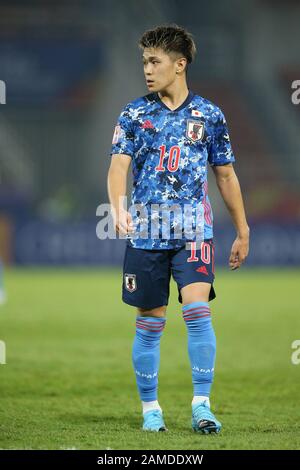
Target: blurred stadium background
<point>69,67</point>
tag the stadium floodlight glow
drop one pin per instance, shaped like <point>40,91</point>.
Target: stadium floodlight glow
<point>2,92</point>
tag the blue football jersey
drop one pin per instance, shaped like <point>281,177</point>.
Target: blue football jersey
<point>170,150</point>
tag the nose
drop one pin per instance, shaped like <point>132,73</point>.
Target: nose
<point>148,69</point>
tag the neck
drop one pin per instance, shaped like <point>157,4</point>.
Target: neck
<point>174,95</point>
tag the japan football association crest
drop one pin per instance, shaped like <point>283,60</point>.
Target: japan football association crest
<point>194,130</point>
<point>130,282</point>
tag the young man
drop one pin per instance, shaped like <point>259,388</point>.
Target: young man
<point>169,136</point>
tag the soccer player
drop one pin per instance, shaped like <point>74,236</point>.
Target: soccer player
<point>169,136</point>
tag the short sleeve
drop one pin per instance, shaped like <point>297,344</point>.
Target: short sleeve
<point>220,151</point>
<point>123,138</point>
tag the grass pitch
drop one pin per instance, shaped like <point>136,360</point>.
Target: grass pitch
<point>69,383</point>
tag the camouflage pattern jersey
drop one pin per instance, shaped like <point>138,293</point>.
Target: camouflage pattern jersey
<point>170,150</point>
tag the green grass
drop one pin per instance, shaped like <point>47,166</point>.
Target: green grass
<point>68,381</point>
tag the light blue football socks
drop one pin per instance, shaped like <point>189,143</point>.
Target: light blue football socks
<point>146,355</point>
<point>201,346</point>
<point>202,352</point>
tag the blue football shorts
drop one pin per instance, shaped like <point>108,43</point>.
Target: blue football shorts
<point>147,273</point>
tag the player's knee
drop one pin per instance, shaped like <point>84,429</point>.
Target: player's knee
<point>159,312</point>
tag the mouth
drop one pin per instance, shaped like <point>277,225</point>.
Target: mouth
<point>150,82</point>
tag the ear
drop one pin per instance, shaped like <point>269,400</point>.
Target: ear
<point>181,65</point>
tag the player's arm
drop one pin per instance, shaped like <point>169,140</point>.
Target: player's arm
<point>230,190</point>
<point>117,188</point>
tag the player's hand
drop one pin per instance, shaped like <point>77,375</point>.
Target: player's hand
<point>239,252</point>
<point>123,222</point>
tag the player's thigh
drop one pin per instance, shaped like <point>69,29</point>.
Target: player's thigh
<point>146,279</point>
<point>193,271</point>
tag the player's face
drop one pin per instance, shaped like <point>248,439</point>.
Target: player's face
<point>159,69</point>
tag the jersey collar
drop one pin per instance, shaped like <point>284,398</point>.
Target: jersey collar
<point>183,105</point>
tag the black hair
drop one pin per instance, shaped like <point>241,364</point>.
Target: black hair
<point>170,38</point>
